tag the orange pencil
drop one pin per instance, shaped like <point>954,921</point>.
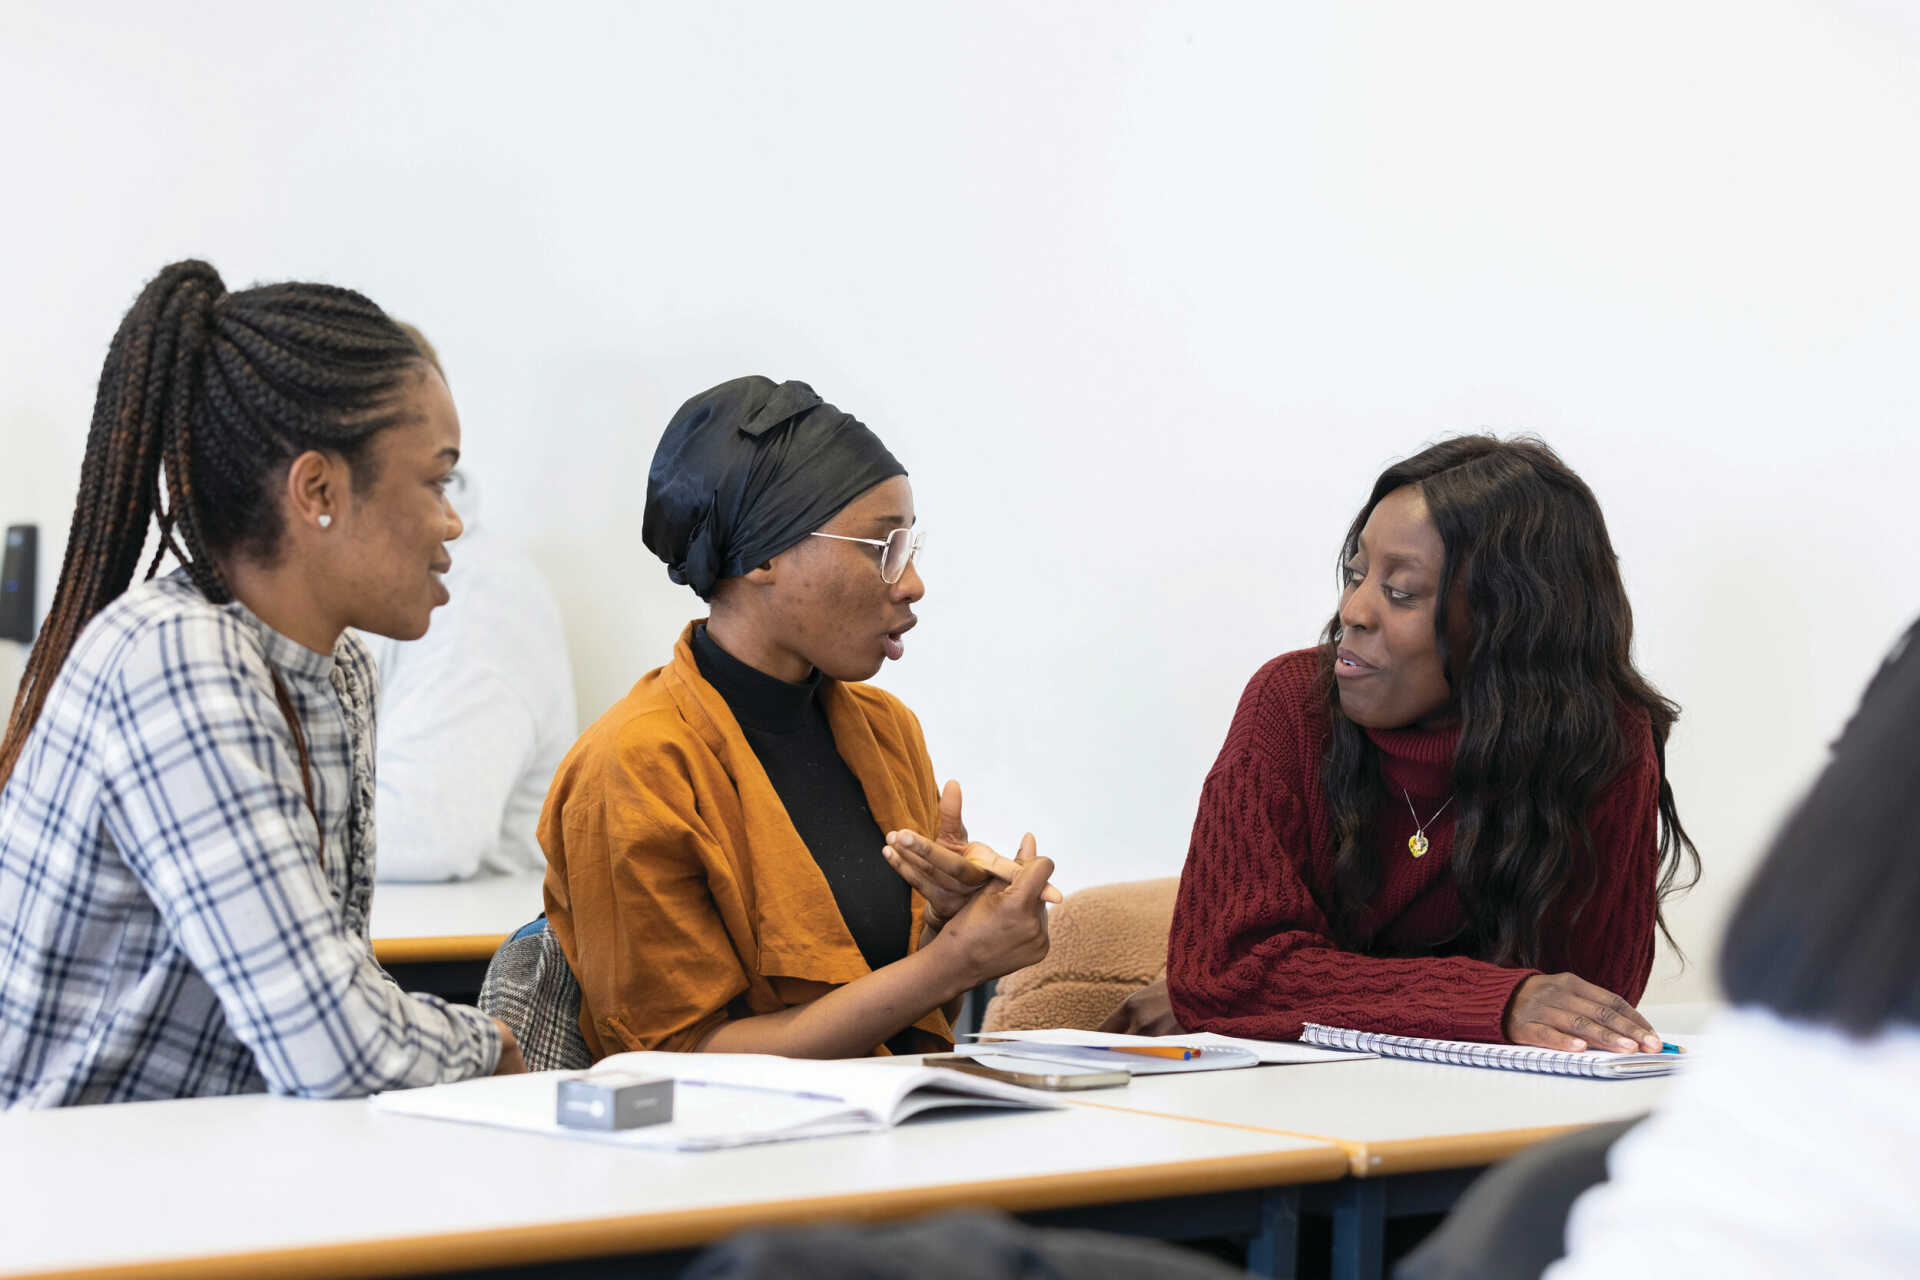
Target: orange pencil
<point>1178,1053</point>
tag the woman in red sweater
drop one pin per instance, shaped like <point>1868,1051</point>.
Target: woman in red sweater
<point>1451,818</point>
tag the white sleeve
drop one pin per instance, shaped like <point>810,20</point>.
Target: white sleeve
<point>454,742</point>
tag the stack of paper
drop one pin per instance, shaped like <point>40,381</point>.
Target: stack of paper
<point>1108,1049</point>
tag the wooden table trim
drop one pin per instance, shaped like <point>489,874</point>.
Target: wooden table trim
<point>634,1233</point>
<point>1450,1151</point>
<point>1378,1159</point>
<point>1221,1124</point>
<point>453,948</point>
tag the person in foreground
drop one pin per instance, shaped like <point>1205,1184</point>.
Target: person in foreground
<point>1791,1145</point>
<point>1452,818</point>
<point>735,852</point>
<point>186,851</point>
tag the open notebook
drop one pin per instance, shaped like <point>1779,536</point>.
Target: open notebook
<point>1510,1057</point>
<point>1104,1048</point>
<point>723,1099</point>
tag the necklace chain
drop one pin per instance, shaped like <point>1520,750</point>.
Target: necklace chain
<point>1417,843</point>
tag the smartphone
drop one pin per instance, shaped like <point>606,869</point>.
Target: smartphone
<point>1057,1080</point>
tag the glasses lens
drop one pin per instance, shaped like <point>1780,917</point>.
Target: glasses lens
<point>901,545</point>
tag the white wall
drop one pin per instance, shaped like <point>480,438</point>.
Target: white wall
<point>1144,295</point>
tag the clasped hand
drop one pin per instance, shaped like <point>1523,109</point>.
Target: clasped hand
<point>939,868</point>
<point>991,927</point>
<point>950,869</point>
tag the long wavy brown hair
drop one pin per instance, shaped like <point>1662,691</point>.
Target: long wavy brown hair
<point>1539,692</point>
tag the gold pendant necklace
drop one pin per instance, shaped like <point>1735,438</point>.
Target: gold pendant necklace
<point>1417,842</point>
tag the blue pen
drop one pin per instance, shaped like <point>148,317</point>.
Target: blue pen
<point>1670,1048</point>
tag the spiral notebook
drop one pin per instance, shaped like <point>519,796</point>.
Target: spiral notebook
<point>1507,1057</point>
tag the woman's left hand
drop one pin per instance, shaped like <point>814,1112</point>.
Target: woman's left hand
<point>938,868</point>
<point>1147,1012</point>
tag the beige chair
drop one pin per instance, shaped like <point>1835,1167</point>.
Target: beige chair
<point>1108,942</point>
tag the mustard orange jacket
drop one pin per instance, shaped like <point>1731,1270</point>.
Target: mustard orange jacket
<point>677,885</point>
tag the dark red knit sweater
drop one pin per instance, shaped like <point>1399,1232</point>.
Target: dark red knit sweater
<point>1251,953</point>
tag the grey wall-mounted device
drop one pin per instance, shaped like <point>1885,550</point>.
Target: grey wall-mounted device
<point>18,567</point>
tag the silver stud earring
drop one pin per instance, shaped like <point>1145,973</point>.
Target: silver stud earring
<point>325,521</point>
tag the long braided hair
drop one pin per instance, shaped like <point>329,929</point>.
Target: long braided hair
<point>204,400</point>
<point>1540,690</point>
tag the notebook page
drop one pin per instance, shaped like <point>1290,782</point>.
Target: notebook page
<point>704,1117</point>
<point>1267,1051</point>
<point>857,1083</point>
<point>1075,1057</point>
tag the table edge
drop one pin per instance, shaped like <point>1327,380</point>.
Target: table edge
<point>1377,1158</point>
<point>634,1233</point>
<point>1450,1151</point>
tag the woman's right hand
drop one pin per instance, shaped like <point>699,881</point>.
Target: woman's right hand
<point>511,1062</point>
<point>1002,927</point>
<point>1565,1011</point>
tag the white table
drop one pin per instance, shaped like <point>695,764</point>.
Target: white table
<point>1415,1132</point>
<point>460,920</point>
<point>439,937</point>
<point>261,1186</point>
<point>1394,1116</point>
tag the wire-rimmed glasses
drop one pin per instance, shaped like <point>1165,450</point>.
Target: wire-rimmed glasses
<point>897,549</point>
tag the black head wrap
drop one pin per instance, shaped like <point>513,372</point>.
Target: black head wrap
<point>748,469</point>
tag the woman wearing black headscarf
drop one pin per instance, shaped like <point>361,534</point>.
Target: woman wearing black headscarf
<point>733,857</point>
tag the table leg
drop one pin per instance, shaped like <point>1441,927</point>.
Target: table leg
<point>1275,1251</point>
<point>1359,1229</point>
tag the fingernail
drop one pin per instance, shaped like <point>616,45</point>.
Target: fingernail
<point>1626,1045</point>
<point>1579,1046</point>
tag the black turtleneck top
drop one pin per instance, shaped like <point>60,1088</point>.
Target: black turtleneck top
<point>787,727</point>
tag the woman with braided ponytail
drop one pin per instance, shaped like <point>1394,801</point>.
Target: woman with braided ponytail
<point>186,779</point>
<point>1452,817</point>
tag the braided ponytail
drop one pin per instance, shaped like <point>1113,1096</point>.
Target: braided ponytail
<point>205,398</point>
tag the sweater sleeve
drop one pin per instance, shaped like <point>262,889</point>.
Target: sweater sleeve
<point>1251,952</point>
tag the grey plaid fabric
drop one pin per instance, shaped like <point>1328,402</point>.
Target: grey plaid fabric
<point>166,927</point>
<point>530,987</point>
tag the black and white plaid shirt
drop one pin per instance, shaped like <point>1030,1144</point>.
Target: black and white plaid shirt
<point>166,927</point>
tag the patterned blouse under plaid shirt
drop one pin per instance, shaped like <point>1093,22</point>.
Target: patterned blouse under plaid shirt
<point>168,924</point>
